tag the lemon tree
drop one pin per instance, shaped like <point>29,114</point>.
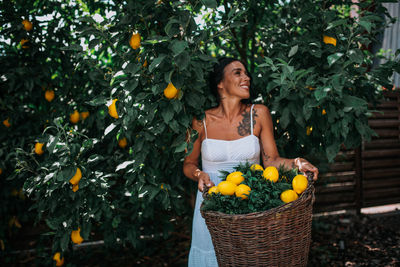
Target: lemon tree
<point>110,88</point>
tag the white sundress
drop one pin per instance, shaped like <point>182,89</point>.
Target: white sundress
<point>218,155</point>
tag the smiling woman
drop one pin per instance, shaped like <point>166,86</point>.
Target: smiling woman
<point>234,132</point>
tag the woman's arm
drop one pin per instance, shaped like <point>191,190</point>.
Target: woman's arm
<point>269,150</point>
<point>191,162</point>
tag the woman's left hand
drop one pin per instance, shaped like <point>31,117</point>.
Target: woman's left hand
<point>305,166</point>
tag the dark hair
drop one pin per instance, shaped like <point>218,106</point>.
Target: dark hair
<point>216,76</point>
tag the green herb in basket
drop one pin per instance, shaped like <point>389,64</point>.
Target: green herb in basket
<point>260,190</point>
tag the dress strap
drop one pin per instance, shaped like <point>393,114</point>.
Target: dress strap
<point>251,119</point>
<point>205,128</point>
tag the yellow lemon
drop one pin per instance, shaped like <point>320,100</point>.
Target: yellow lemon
<point>84,115</point>
<point>323,111</point>
<point>271,173</point>
<point>226,188</point>
<point>7,123</point>
<point>235,177</point>
<point>77,177</point>
<point>242,191</point>
<point>112,109</point>
<point>75,187</point>
<point>329,40</point>
<point>58,259</point>
<point>134,42</point>
<point>170,91</point>
<point>27,25</point>
<point>122,142</point>
<point>310,88</point>
<point>39,148</point>
<point>49,95</point>
<point>213,190</point>
<point>299,183</point>
<point>256,167</point>
<point>23,43</point>
<point>76,236</point>
<point>74,117</point>
<point>288,196</point>
<point>309,130</point>
<point>145,63</point>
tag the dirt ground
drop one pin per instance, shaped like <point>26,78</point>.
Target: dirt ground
<point>350,240</point>
<point>337,240</point>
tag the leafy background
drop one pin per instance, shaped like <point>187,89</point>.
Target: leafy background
<point>138,195</point>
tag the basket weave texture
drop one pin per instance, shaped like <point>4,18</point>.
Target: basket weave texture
<point>277,237</point>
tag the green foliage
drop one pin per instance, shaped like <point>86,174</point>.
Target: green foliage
<point>80,49</point>
<point>264,194</point>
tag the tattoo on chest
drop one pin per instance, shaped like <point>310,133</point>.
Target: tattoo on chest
<point>244,127</point>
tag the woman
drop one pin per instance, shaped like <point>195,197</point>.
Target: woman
<point>231,133</point>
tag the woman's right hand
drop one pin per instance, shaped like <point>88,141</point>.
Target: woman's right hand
<point>204,180</point>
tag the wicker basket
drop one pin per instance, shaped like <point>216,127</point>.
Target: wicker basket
<point>276,237</point>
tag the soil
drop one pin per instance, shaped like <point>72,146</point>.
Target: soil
<point>337,240</point>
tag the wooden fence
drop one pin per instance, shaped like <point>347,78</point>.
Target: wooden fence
<point>370,175</point>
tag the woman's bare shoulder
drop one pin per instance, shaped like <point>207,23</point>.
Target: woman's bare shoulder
<point>261,109</point>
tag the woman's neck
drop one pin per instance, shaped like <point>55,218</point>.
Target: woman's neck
<point>231,108</point>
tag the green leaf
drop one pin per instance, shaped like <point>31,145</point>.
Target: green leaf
<point>366,25</point>
<point>210,3</point>
<point>98,101</point>
<point>64,241</point>
<point>178,47</point>
<point>181,147</point>
<point>356,56</point>
<point>334,57</point>
<point>167,113</point>
<point>332,151</point>
<point>354,102</point>
<point>321,92</point>
<point>156,62</point>
<point>172,27</point>
<point>293,50</point>
<point>284,119</point>
<point>336,23</point>
<point>73,47</point>
<point>182,60</point>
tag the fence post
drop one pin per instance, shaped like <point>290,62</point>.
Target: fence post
<point>359,179</point>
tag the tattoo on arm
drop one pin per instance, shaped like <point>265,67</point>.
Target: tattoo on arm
<point>266,157</point>
<point>244,127</point>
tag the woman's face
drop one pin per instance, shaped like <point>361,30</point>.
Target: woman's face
<point>236,81</point>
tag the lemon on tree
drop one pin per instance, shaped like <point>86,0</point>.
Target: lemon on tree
<point>170,91</point>
<point>74,117</point>
<point>112,109</point>
<point>122,143</point>
<point>76,236</point>
<point>7,123</point>
<point>235,177</point>
<point>49,95</point>
<point>289,196</point>
<point>134,41</point>
<point>27,25</point>
<point>23,43</point>
<point>271,173</point>
<point>256,167</point>
<point>75,187</point>
<point>84,115</point>
<point>299,183</point>
<point>59,260</point>
<point>77,177</point>
<point>39,148</point>
<point>226,188</point>
<point>242,191</point>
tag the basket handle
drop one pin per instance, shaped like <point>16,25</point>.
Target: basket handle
<point>205,191</point>
<point>310,177</point>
